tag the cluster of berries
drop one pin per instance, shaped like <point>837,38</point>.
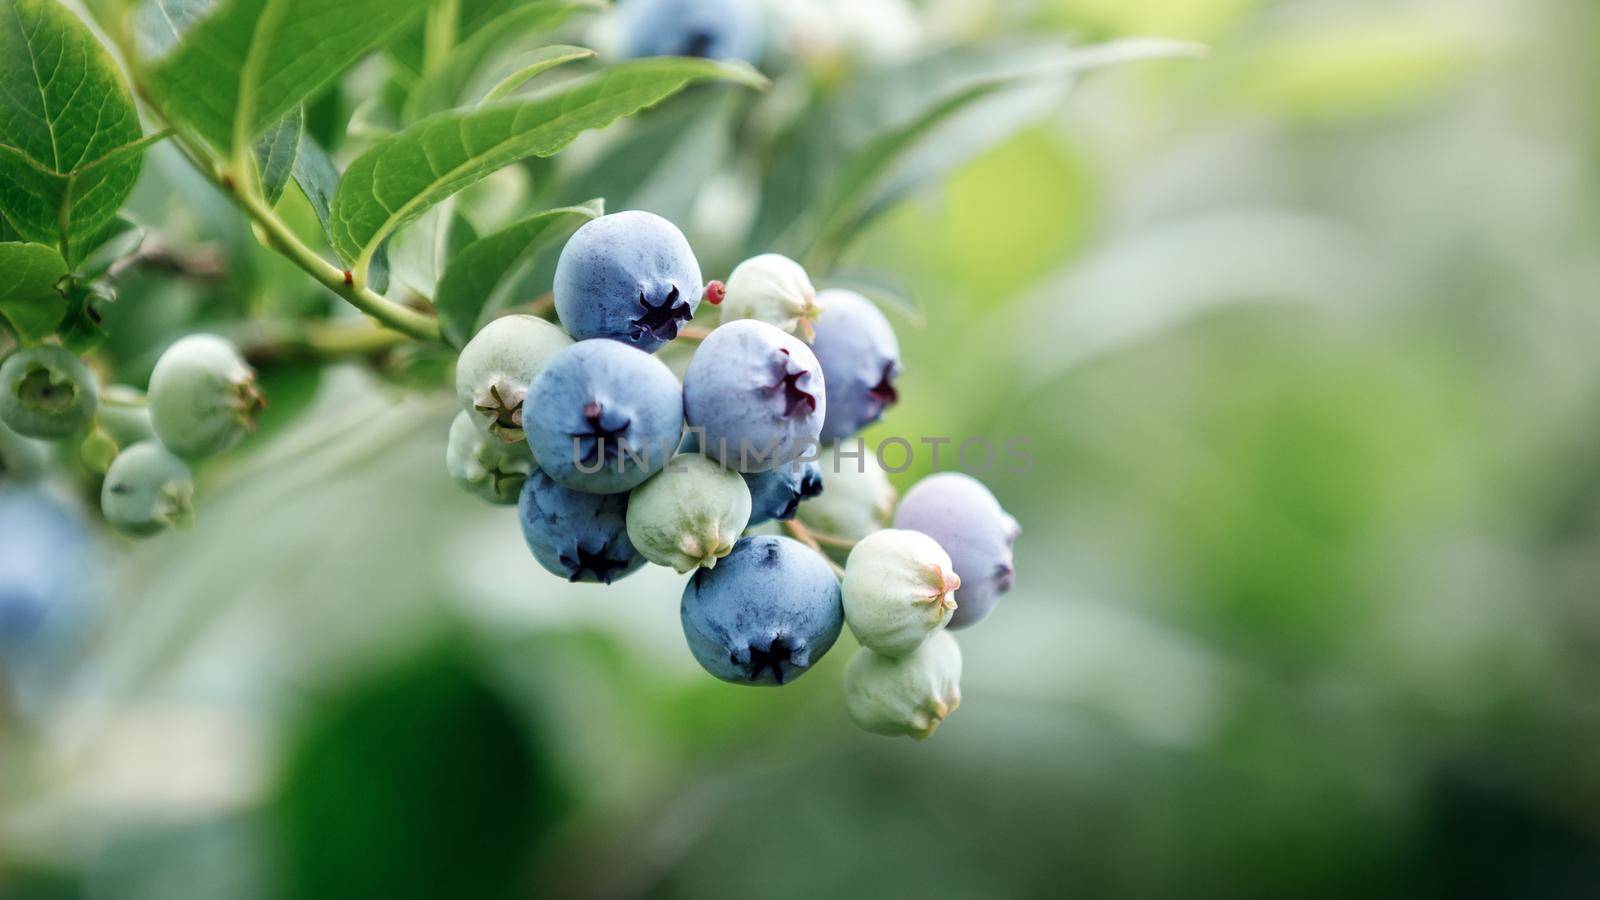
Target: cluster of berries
<point>202,400</point>
<point>613,461</point>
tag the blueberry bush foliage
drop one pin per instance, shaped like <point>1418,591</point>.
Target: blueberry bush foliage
<point>418,171</point>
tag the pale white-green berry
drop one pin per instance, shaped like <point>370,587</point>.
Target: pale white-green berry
<point>203,396</point>
<point>899,588</point>
<point>857,498</point>
<point>485,467</point>
<point>496,367</point>
<point>688,515</point>
<point>775,289</point>
<point>910,695</point>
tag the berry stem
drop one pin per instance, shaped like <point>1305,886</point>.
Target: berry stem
<point>692,333</point>
<point>278,236</point>
<point>801,533</point>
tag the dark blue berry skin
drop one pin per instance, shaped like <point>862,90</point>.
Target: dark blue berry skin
<point>777,493</point>
<point>758,393</point>
<point>578,536</point>
<point>44,557</point>
<point>860,358</point>
<point>711,29</point>
<point>629,277</point>
<point>765,614</point>
<point>603,417</point>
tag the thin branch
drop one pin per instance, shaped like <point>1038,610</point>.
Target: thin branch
<point>803,534</point>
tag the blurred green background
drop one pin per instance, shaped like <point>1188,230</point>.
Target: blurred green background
<point>1306,341</point>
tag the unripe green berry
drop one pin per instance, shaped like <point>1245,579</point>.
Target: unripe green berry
<point>899,588</point>
<point>203,396</point>
<point>147,490</point>
<point>910,695</point>
<point>484,466</point>
<point>125,415</point>
<point>47,392</point>
<point>21,458</point>
<point>496,367</point>
<point>857,498</point>
<point>689,514</point>
<point>775,289</point>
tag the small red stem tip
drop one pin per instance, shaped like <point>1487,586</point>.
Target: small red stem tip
<point>716,291</point>
<point>349,278</point>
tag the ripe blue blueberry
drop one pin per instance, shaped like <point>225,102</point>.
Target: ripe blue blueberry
<point>496,367</point>
<point>44,554</point>
<point>765,614</point>
<point>203,396</point>
<point>860,359</point>
<point>777,492</point>
<point>959,512</point>
<point>758,394</point>
<point>579,536</point>
<point>631,277</point>
<point>47,393</point>
<point>711,29</point>
<point>603,417</point>
<point>147,490</point>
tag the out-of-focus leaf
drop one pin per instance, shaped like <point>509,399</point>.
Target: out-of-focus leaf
<point>480,49</point>
<point>30,299</point>
<point>541,60</point>
<point>275,154</point>
<point>160,24</point>
<point>419,252</point>
<point>467,291</point>
<point>118,240</point>
<point>1356,66</point>
<point>835,164</point>
<point>418,782</point>
<point>248,63</point>
<point>70,143</point>
<point>396,181</point>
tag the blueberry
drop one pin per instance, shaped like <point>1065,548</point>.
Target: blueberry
<point>603,417</point>
<point>774,289</point>
<point>765,614</point>
<point>857,498</point>
<point>758,394</point>
<point>47,392</point>
<point>483,466</point>
<point>629,277</point>
<point>203,396</point>
<point>959,512</point>
<point>910,695</point>
<point>147,490</point>
<point>581,537</point>
<point>710,29</point>
<point>497,366</point>
<point>777,493</point>
<point>860,359</point>
<point>44,553</point>
<point>898,590</point>
<point>689,514</point>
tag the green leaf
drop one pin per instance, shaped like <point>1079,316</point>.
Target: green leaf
<point>318,178</point>
<point>70,140</point>
<point>248,63</point>
<point>30,296</point>
<point>468,288</point>
<point>160,24</point>
<point>419,252</point>
<point>540,60</point>
<point>479,49</point>
<point>275,154</point>
<point>849,151</point>
<point>397,180</point>
<point>118,240</point>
